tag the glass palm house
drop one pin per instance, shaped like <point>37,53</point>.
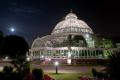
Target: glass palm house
<point>72,41</point>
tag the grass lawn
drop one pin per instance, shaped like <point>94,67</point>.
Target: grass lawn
<point>67,76</point>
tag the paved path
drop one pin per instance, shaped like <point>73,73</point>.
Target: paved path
<point>67,69</point>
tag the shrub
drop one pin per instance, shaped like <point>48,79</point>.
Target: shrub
<point>94,72</point>
<point>38,74</point>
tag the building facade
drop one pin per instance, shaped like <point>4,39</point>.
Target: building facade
<point>71,41</point>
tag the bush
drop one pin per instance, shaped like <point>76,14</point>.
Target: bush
<point>7,70</point>
<point>99,75</point>
<point>7,73</point>
<point>38,74</point>
<point>113,68</point>
<point>94,72</point>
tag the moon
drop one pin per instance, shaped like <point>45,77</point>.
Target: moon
<point>12,29</point>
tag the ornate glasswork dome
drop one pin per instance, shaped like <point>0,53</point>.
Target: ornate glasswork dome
<point>71,24</point>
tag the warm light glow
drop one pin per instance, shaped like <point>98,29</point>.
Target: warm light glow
<point>87,36</point>
<point>69,61</point>
<point>1,68</point>
<point>42,56</point>
<point>28,59</point>
<point>49,59</point>
<point>56,63</point>
<point>6,58</point>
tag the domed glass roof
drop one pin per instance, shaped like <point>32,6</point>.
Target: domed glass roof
<point>71,24</point>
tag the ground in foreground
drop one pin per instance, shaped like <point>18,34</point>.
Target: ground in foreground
<point>67,76</point>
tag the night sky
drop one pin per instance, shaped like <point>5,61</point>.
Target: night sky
<point>33,18</point>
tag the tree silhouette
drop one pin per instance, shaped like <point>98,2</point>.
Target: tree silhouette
<point>1,42</point>
<point>15,47</point>
<point>38,73</point>
<point>113,67</point>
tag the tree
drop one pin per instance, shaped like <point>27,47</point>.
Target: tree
<point>15,47</point>
<point>113,67</point>
<point>1,37</point>
<point>1,42</point>
<point>104,42</point>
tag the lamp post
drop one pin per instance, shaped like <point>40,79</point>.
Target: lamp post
<point>56,63</point>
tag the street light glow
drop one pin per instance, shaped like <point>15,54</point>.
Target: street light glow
<point>56,63</point>
<point>42,56</point>
<point>69,61</point>
<point>28,59</point>
<point>6,58</point>
<point>1,68</point>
